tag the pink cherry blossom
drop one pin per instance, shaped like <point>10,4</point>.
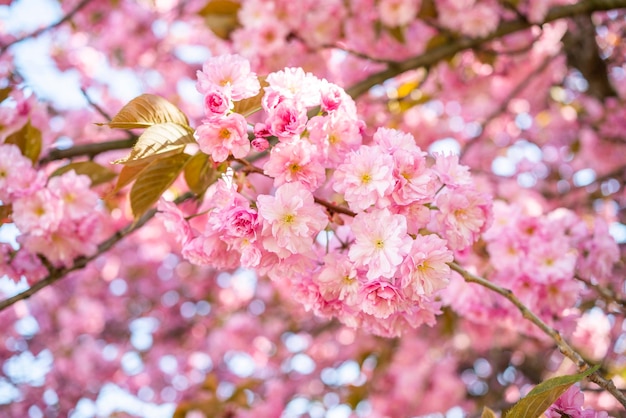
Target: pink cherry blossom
<point>294,83</point>
<point>174,221</point>
<point>73,191</point>
<point>365,178</point>
<point>224,136</point>
<point>464,214</point>
<point>380,243</point>
<point>290,220</point>
<point>398,12</point>
<point>414,182</point>
<point>338,279</point>
<point>229,73</point>
<point>17,176</point>
<point>425,269</point>
<point>451,173</point>
<point>295,161</point>
<point>216,103</point>
<point>335,135</point>
<point>381,298</point>
<point>39,213</point>
<point>287,120</point>
<point>240,222</point>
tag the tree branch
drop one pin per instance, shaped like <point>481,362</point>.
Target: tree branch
<point>89,150</point>
<point>563,346</point>
<point>505,103</point>
<point>447,50</point>
<point>56,274</point>
<point>45,29</point>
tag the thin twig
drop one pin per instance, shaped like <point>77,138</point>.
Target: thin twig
<point>88,150</point>
<point>45,29</point>
<point>56,274</point>
<point>606,293</point>
<point>505,103</point>
<point>563,346</point>
<point>334,208</point>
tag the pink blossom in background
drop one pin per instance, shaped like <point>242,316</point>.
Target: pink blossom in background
<point>17,176</point>
<point>231,74</point>
<point>39,213</point>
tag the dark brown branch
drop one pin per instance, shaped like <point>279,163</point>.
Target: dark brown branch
<point>563,345</point>
<point>45,29</point>
<point>447,50</point>
<point>88,150</point>
<point>57,273</point>
<point>334,208</point>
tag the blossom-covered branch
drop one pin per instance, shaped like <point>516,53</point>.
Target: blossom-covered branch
<point>563,345</point>
<point>439,53</point>
<point>57,273</point>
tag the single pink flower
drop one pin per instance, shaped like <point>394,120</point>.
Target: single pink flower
<point>223,136</point>
<point>73,191</point>
<point>365,178</point>
<point>216,103</point>
<point>381,299</point>
<point>295,161</point>
<point>17,176</point>
<point>338,279</point>
<point>464,214</point>
<point>291,219</point>
<point>39,213</point>
<point>230,74</point>
<point>381,242</point>
<point>287,120</point>
<point>425,269</point>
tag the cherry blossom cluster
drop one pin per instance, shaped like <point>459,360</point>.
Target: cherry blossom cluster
<point>58,218</point>
<point>547,260</point>
<point>362,230</point>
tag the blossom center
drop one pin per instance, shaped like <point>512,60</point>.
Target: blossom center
<point>224,133</point>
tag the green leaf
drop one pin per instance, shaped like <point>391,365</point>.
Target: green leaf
<point>200,173</point>
<point>251,105</point>
<point>488,413</point>
<point>159,141</point>
<point>28,140</point>
<point>545,394</point>
<point>145,111</point>
<point>97,173</point>
<point>221,16</point>
<point>153,181</point>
